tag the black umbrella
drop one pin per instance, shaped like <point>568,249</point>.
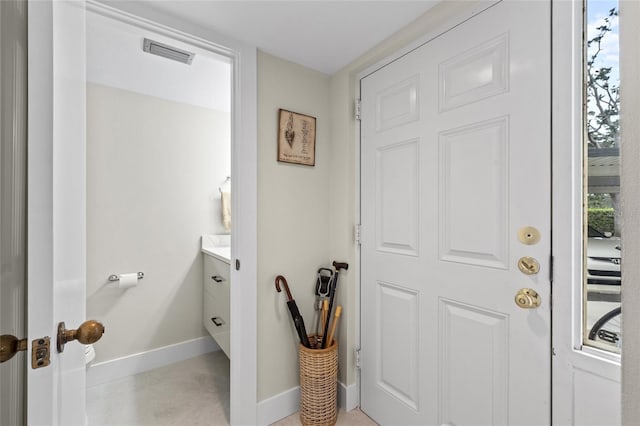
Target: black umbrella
<point>295,313</point>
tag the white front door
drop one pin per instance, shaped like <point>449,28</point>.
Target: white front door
<point>56,206</point>
<point>455,191</point>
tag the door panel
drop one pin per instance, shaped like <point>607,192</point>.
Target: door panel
<point>465,398</point>
<point>397,167</point>
<point>478,73</point>
<point>468,185</point>
<point>455,162</point>
<point>398,352</point>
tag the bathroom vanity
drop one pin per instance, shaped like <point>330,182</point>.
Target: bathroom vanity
<point>216,253</point>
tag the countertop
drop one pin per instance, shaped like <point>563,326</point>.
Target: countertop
<point>217,246</point>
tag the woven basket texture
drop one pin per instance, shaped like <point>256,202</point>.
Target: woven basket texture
<point>319,385</point>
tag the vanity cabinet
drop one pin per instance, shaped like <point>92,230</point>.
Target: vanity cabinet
<point>217,301</point>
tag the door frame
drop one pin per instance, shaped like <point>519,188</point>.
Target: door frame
<point>243,59</point>
<point>563,63</point>
<point>243,366</point>
<point>569,354</point>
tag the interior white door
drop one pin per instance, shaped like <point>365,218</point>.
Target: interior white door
<point>455,167</point>
<point>56,206</point>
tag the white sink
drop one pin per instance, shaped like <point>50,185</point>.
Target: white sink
<point>217,246</point>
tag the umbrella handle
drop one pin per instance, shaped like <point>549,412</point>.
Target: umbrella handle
<point>286,287</point>
<point>340,265</point>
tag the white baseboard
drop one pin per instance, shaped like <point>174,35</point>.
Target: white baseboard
<point>284,404</point>
<point>279,406</point>
<point>118,368</point>
<point>347,396</point>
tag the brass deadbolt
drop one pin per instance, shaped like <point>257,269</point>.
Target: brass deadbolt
<point>528,265</point>
<point>527,298</point>
<point>528,235</point>
<point>88,333</point>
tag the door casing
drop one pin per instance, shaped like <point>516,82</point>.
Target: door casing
<point>566,65</point>
<point>244,244</point>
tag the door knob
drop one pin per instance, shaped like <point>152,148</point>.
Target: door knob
<point>88,333</point>
<point>11,345</point>
<point>527,298</point>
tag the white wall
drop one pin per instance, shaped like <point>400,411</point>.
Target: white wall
<point>153,171</point>
<point>293,218</point>
<point>630,185</point>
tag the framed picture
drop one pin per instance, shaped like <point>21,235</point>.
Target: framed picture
<point>296,138</point>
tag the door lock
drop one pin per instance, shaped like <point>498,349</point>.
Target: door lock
<point>528,265</point>
<point>528,235</point>
<point>40,352</point>
<point>527,298</point>
<point>11,345</point>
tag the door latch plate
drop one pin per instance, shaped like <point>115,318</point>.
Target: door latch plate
<point>40,352</point>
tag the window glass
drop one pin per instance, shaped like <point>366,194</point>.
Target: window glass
<point>602,220</point>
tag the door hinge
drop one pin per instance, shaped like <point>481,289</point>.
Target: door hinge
<point>357,234</point>
<point>551,269</point>
<point>357,351</point>
<point>358,109</point>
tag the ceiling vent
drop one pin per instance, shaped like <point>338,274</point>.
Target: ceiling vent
<point>168,52</point>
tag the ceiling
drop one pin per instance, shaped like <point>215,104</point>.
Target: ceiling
<point>115,58</point>
<point>322,35</point>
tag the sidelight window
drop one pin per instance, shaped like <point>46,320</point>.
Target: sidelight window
<point>601,212</point>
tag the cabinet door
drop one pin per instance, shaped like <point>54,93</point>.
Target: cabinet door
<point>217,301</point>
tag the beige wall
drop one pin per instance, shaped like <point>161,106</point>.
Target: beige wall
<point>307,215</point>
<point>293,221</point>
<point>153,170</point>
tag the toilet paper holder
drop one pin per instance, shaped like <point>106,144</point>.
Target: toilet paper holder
<point>116,277</point>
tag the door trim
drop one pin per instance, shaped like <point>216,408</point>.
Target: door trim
<point>569,354</point>
<point>243,369</point>
<point>558,67</point>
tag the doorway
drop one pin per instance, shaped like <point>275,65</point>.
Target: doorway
<point>158,156</point>
<point>63,158</point>
<point>456,226</point>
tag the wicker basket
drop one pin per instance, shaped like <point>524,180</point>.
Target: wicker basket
<point>319,385</point>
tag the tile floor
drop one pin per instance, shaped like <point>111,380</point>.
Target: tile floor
<point>189,393</point>
<point>350,418</point>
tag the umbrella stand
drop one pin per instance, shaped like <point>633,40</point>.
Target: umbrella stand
<point>298,321</point>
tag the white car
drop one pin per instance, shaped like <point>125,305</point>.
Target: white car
<point>603,258</point>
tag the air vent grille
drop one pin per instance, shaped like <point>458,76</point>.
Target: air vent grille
<point>169,52</point>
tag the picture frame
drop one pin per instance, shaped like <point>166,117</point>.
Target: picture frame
<point>296,138</point>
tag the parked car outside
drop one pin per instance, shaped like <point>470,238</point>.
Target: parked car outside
<point>603,258</point>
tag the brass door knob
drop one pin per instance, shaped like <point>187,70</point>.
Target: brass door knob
<point>527,298</point>
<point>88,333</point>
<point>11,345</point>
